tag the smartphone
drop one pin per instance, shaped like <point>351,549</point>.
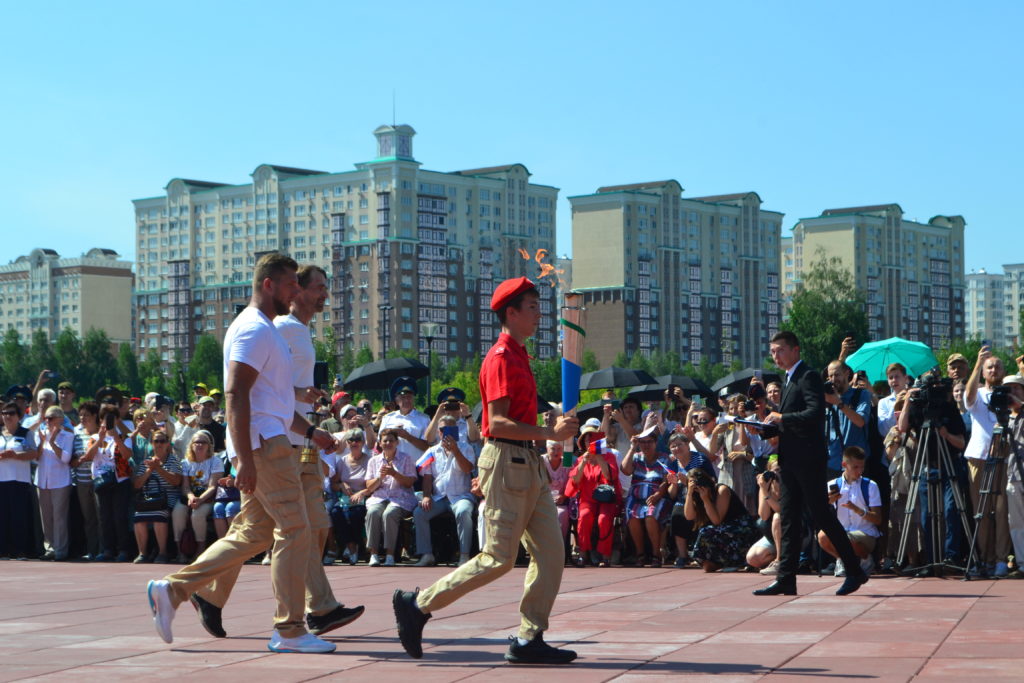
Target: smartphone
<point>613,402</point>
<point>450,430</point>
<point>833,489</point>
<point>52,375</point>
<point>759,374</point>
<point>360,411</point>
<point>698,401</point>
<point>986,342</point>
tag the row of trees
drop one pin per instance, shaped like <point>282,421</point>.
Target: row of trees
<point>826,308</point>
<point>93,361</point>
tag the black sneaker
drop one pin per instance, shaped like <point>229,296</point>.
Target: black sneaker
<point>209,616</point>
<point>336,618</point>
<point>410,621</point>
<point>536,652</point>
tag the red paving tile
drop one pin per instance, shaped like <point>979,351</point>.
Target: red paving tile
<point>92,623</point>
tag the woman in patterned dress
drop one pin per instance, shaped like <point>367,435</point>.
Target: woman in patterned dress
<point>726,529</point>
<point>648,507</point>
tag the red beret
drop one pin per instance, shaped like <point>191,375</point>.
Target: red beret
<point>508,290</point>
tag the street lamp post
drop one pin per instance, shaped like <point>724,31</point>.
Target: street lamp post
<point>429,331</point>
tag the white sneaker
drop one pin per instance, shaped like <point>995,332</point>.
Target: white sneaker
<point>307,643</point>
<point>159,594</point>
<point>840,568</point>
<point>266,560</point>
<point>1001,570</point>
<point>772,569</point>
<point>374,560</point>
<point>867,565</point>
<point>389,561</point>
<point>464,558</point>
<point>426,561</point>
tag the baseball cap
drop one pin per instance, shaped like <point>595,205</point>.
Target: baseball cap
<point>1014,379</point>
<point>66,385</point>
<point>954,357</point>
<point>206,399</point>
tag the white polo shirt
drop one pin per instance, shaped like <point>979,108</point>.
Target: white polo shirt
<point>303,357</point>
<point>853,492</point>
<point>17,470</point>
<point>252,339</point>
<point>415,423</point>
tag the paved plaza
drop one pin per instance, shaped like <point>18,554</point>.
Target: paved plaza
<point>91,622</point>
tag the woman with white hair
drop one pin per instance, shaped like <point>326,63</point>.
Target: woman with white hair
<point>53,480</point>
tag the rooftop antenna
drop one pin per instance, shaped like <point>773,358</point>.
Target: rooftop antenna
<point>394,118</point>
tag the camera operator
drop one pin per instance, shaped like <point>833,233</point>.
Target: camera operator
<point>757,408</point>
<point>932,397</point>
<point>1015,467</point>
<point>847,417</point>
<point>993,534</point>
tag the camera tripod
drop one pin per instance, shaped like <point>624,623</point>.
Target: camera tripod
<point>990,478</point>
<point>929,434</point>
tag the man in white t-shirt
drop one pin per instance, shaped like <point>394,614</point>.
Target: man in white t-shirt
<point>993,529</point>
<point>410,423</point>
<point>260,413</point>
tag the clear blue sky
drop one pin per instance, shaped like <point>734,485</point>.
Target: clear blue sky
<point>811,104</point>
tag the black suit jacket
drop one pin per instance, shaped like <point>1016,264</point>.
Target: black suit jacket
<point>802,431</point>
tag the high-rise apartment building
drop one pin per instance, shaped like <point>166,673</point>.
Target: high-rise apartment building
<point>42,291</point>
<point>412,253</point>
<point>912,273</point>
<point>660,272</point>
<point>993,304</point>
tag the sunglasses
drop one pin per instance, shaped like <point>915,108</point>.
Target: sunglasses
<point>702,422</point>
<point>160,441</point>
<point>354,440</point>
<point>10,413</point>
<point>184,410</point>
<point>201,443</point>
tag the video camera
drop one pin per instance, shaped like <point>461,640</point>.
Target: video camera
<point>934,397</point>
<point>999,403</point>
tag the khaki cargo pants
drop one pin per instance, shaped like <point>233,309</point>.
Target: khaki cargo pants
<point>517,505</point>
<point>274,514</point>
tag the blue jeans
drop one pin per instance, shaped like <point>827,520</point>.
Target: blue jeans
<point>463,511</point>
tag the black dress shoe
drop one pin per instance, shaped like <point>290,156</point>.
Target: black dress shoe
<point>336,618</point>
<point>410,621</point>
<point>782,587</point>
<point>852,583</point>
<point>536,652</point>
<point>209,616</point>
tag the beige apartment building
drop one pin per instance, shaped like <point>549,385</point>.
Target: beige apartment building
<point>911,272</point>
<point>993,304</point>
<point>411,253</point>
<point>43,291</point>
<point>659,271</point>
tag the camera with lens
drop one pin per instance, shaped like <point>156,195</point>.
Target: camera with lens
<point>933,398</point>
<point>999,403</point>
<point>750,405</point>
<point>769,476</point>
<point>830,388</point>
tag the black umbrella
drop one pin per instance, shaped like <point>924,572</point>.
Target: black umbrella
<point>381,373</point>
<point>689,385</point>
<point>610,378</point>
<point>589,410</point>
<point>542,407</point>
<point>739,381</point>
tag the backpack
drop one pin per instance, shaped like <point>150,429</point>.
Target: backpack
<point>865,487</point>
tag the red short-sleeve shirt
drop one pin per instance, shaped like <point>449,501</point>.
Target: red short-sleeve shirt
<point>505,373</point>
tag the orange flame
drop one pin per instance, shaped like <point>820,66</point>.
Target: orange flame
<point>547,270</point>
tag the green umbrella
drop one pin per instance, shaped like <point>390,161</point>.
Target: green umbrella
<point>875,357</point>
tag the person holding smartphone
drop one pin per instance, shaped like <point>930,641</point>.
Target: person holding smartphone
<point>447,474</point>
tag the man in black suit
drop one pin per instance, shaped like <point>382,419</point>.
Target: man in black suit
<point>802,458</point>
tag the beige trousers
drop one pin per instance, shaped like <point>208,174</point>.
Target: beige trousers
<point>274,513</point>
<point>517,505</point>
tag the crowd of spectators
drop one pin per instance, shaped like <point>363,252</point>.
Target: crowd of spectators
<point>671,482</point>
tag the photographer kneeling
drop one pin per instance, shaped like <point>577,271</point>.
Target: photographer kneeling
<point>764,554</point>
<point>858,508</point>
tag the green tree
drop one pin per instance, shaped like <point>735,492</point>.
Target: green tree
<point>14,359</point>
<point>826,307</point>
<point>40,353</point>
<point>548,375</point>
<point>128,369</point>
<point>327,351</point>
<point>207,365</point>
<point>67,352</point>
<point>588,363</point>
<point>348,360</point>
<point>363,356</point>
<point>98,366</point>
<point>152,373</point>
